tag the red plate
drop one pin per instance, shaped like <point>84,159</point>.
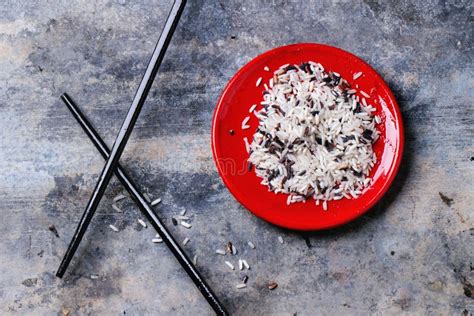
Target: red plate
<point>231,157</point>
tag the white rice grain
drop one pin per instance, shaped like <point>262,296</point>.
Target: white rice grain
<point>357,75</point>
<point>220,252</point>
<point>252,108</point>
<point>185,241</point>
<point>115,229</point>
<point>266,68</point>
<point>119,197</point>
<point>251,244</point>
<point>186,224</point>
<point>246,265</point>
<point>230,265</point>
<point>157,240</point>
<point>241,286</point>
<point>142,223</point>
<point>259,80</point>
<point>115,207</point>
<point>365,94</point>
<point>280,239</point>
<point>155,202</point>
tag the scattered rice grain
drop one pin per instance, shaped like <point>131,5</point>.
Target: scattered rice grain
<point>230,265</point>
<point>186,224</point>
<point>119,197</point>
<point>157,201</point>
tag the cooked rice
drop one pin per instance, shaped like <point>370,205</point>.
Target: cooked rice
<point>314,137</point>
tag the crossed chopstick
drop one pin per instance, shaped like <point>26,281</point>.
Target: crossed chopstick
<point>112,166</point>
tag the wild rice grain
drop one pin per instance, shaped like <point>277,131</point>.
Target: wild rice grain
<point>228,247</point>
<point>230,265</point>
<point>155,202</point>
<point>272,286</point>
<point>142,222</point>
<point>115,229</point>
<point>245,279</point>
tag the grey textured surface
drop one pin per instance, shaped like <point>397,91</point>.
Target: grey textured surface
<point>411,254</point>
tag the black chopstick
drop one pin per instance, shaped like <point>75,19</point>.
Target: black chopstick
<point>125,131</point>
<point>146,209</point>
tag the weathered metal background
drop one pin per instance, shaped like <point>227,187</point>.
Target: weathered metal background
<point>413,253</point>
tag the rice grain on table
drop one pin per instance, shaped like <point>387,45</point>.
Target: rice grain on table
<point>251,244</point>
<point>183,211</point>
<point>115,229</point>
<point>195,259</point>
<point>147,197</point>
<point>119,197</point>
<point>142,222</point>
<point>155,202</point>
<point>220,252</point>
<point>241,264</point>
<point>157,240</point>
<point>241,286</point>
<point>246,265</point>
<point>186,224</point>
<point>185,241</point>
<point>115,207</point>
<point>280,239</point>
<point>230,265</point>
<point>314,137</point>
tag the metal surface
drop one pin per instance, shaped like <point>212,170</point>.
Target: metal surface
<point>125,131</point>
<point>146,209</point>
<point>410,255</point>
